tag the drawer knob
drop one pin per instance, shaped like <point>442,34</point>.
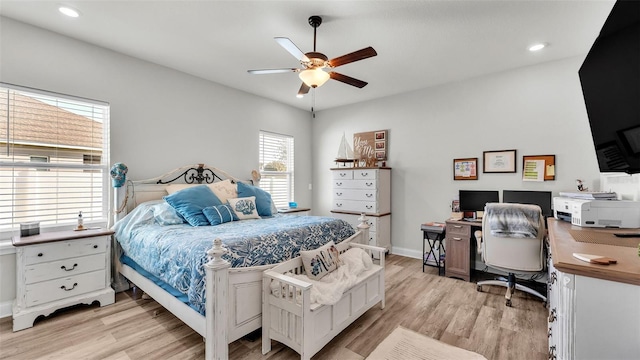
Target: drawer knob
<point>457,238</point>
<point>65,268</point>
<point>40,254</point>
<point>95,246</point>
<point>338,204</point>
<point>338,184</point>
<point>343,174</point>
<point>369,184</point>
<point>369,195</point>
<point>369,207</point>
<point>364,174</point>
<point>65,288</point>
<point>339,194</point>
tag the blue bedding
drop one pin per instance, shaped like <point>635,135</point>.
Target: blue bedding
<point>176,254</point>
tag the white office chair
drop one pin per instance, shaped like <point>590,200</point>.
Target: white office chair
<point>512,240</point>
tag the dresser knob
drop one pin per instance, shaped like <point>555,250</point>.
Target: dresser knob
<point>339,194</point>
<point>368,184</point>
<point>338,184</point>
<point>338,204</point>
<point>343,174</point>
<point>369,207</point>
<point>369,195</point>
<point>40,254</point>
<point>95,246</point>
<point>364,174</point>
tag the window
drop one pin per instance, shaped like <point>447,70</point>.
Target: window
<point>276,167</point>
<point>53,158</point>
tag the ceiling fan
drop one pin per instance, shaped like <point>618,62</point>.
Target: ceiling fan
<point>313,74</point>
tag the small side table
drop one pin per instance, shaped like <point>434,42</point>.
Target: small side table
<point>433,246</point>
<point>295,211</point>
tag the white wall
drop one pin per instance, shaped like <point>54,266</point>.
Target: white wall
<point>536,110</point>
<point>161,119</point>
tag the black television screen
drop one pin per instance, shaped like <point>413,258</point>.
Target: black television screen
<point>540,198</point>
<point>610,80</point>
<point>474,200</point>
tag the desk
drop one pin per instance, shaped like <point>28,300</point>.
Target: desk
<point>593,309</point>
<point>458,258</point>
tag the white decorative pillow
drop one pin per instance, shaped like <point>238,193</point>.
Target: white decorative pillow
<point>224,190</point>
<point>321,261</point>
<point>171,188</point>
<point>245,208</point>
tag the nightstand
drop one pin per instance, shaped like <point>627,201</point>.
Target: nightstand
<point>59,269</point>
<point>296,211</point>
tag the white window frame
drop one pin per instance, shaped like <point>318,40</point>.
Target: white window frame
<point>16,166</point>
<point>281,195</point>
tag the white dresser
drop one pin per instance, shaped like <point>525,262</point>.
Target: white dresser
<point>364,190</point>
<point>59,269</point>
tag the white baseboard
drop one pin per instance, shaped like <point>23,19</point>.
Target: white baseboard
<point>5,309</point>
<point>416,254</point>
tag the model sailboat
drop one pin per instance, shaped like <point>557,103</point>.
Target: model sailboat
<point>344,152</point>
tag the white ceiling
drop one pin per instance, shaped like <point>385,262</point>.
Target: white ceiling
<point>419,43</point>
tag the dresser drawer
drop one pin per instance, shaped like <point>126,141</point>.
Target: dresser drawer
<point>63,268</point>
<point>354,184</point>
<point>367,174</point>
<point>460,230</point>
<point>357,206</point>
<point>65,249</point>
<point>355,194</point>
<point>52,290</point>
<point>342,174</point>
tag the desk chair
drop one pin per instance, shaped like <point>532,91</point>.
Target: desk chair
<point>512,240</point>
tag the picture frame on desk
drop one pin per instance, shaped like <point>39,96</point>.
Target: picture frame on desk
<point>465,169</point>
<point>501,161</point>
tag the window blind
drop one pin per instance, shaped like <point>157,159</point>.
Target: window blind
<point>53,158</point>
<point>276,167</point>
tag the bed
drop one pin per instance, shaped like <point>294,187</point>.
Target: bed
<point>209,276</point>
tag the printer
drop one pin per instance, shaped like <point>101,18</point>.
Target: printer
<point>597,213</point>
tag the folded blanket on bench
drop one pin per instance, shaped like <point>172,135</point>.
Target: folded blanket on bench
<point>513,220</point>
<point>329,289</point>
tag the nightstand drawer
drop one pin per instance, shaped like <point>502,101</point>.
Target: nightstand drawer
<point>65,249</point>
<point>63,268</point>
<point>57,289</point>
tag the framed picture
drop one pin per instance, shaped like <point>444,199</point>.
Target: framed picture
<point>502,161</point>
<point>538,167</point>
<point>465,169</point>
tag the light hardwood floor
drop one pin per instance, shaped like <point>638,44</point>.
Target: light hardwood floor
<point>446,309</point>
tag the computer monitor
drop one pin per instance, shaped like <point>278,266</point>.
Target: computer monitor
<point>540,198</point>
<point>474,200</point>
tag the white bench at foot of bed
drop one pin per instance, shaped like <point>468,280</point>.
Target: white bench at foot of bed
<point>304,327</point>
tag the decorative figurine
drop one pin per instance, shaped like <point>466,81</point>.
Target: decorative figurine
<point>581,186</point>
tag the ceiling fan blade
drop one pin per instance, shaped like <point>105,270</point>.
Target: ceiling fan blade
<point>288,45</point>
<point>354,56</point>
<point>304,89</point>
<point>272,71</point>
<point>348,80</point>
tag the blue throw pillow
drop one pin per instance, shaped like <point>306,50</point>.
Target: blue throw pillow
<point>263,198</point>
<point>190,202</point>
<point>165,214</point>
<point>219,214</point>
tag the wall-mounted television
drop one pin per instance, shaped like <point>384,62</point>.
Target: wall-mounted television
<point>610,79</point>
<point>540,198</point>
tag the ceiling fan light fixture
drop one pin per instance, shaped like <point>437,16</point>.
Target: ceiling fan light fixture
<point>314,77</point>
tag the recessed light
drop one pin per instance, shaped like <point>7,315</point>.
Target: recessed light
<point>537,47</point>
<point>69,11</point>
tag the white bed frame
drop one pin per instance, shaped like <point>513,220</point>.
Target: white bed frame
<point>234,295</point>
